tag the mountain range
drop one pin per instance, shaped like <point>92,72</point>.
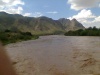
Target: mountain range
<point>39,25</point>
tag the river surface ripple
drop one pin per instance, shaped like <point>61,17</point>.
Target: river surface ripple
<point>56,55</point>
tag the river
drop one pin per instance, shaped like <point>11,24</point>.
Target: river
<point>56,55</point>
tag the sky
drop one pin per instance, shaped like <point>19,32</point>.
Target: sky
<point>85,11</point>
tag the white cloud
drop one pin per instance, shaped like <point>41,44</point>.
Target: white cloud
<point>11,2</point>
<point>53,12</point>
<point>17,2</point>
<point>86,14</point>
<point>13,10</point>
<point>87,18</point>
<point>27,14</point>
<point>81,4</point>
<point>11,6</point>
<point>97,19</point>
<point>37,14</point>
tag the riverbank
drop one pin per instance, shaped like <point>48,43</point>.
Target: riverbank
<point>86,32</point>
<point>8,37</point>
<point>56,55</point>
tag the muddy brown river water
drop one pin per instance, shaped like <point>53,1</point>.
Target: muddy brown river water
<point>56,55</point>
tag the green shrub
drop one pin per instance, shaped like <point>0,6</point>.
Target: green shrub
<point>87,32</point>
<point>7,37</point>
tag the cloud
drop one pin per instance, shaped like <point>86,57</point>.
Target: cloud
<point>87,18</point>
<point>86,14</point>
<point>97,19</point>
<point>11,2</point>
<point>82,4</point>
<point>37,14</point>
<point>27,14</point>
<point>11,6</point>
<point>13,10</point>
<point>53,12</point>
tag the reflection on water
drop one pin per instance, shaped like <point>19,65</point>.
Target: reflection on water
<point>57,55</point>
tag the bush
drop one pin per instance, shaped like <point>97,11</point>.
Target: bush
<point>87,32</point>
<point>12,37</point>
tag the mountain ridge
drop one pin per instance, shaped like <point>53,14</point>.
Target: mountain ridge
<point>39,25</point>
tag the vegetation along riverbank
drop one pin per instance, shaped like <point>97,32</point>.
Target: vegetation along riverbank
<point>8,36</point>
<point>91,31</point>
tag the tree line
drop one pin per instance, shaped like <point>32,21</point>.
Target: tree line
<point>91,31</point>
<point>9,36</point>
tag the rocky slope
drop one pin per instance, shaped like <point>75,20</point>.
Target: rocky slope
<point>40,25</point>
<point>71,24</point>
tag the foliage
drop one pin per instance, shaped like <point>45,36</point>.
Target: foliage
<point>12,37</point>
<point>91,31</point>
